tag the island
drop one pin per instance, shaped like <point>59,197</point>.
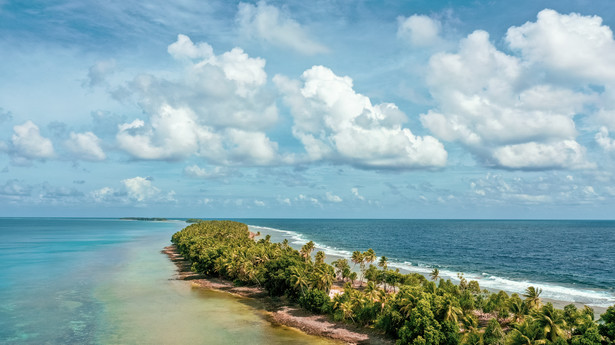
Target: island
<point>372,304</point>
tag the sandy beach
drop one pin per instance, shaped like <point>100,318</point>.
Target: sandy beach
<point>279,310</point>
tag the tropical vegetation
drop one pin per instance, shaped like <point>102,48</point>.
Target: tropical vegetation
<point>407,307</point>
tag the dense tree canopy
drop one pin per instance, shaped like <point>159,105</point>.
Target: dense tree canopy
<point>408,307</point>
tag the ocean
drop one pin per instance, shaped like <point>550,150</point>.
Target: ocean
<point>570,260</point>
<point>104,281</point>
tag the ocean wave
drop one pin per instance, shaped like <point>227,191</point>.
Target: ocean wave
<point>590,297</point>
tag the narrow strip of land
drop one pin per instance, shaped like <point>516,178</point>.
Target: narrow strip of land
<point>278,309</point>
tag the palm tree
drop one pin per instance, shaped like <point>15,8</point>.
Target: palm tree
<point>322,278</point>
<point>356,258</point>
<point>435,274</point>
<point>319,258</point>
<point>340,266</point>
<point>347,310</point>
<point>524,333</point>
<point>306,250</point>
<point>551,322</point>
<point>518,308</point>
<point>370,256</point>
<point>384,262</point>
<point>452,312</point>
<point>532,297</point>
<point>371,291</point>
<point>299,279</point>
<point>352,277</point>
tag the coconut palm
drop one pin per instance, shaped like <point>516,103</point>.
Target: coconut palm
<point>352,276</point>
<point>550,321</point>
<point>322,278</point>
<point>435,274</point>
<point>319,259</point>
<point>356,258</point>
<point>532,297</point>
<point>524,333</point>
<point>384,262</point>
<point>340,266</point>
<point>452,312</point>
<point>306,250</point>
<point>299,278</point>
<point>369,256</point>
<point>371,291</point>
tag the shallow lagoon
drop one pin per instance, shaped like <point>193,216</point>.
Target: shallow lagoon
<point>102,281</point>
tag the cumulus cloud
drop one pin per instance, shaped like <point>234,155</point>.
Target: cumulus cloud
<point>419,30</point>
<point>102,194</point>
<point>27,144</point>
<point>335,123</point>
<point>545,189</point>
<point>269,24</point>
<point>184,48</point>
<point>486,103</point>
<point>575,45</point>
<point>332,197</point>
<point>98,73</point>
<point>141,189</point>
<point>604,140</point>
<point>201,173</point>
<point>15,188</point>
<point>355,192</point>
<point>218,110</point>
<point>85,146</point>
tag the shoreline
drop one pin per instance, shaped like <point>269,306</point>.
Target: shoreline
<point>278,310</point>
<point>278,235</point>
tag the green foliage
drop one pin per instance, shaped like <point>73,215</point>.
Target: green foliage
<point>417,311</point>
<point>607,328</point>
<point>317,301</point>
<point>494,335</point>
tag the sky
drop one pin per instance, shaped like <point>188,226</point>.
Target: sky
<point>308,109</point>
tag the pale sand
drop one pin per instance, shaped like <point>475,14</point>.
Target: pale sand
<point>279,310</point>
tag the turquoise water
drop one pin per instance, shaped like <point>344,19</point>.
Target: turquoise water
<point>104,281</point>
<point>572,261</point>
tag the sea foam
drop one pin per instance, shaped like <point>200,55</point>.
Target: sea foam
<point>590,297</point>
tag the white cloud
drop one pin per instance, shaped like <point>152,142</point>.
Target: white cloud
<point>419,30</point>
<point>269,24</point>
<point>85,146</point>
<point>355,192</point>
<point>15,188</point>
<point>313,200</point>
<point>485,103</point>
<point>102,194</point>
<point>335,123</point>
<point>198,172</point>
<point>98,73</point>
<point>573,45</point>
<point>27,143</point>
<point>545,189</point>
<point>218,110</point>
<point>333,198</point>
<point>183,48</point>
<point>141,189</point>
<point>259,203</point>
<point>567,153</point>
<point>604,140</point>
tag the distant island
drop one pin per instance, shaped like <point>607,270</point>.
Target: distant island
<point>194,220</point>
<point>406,308</point>
<point>145,219</point>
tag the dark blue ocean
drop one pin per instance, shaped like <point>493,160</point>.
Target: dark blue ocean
<point>571,260</point>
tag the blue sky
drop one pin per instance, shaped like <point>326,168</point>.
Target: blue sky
<point>377,109</point>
